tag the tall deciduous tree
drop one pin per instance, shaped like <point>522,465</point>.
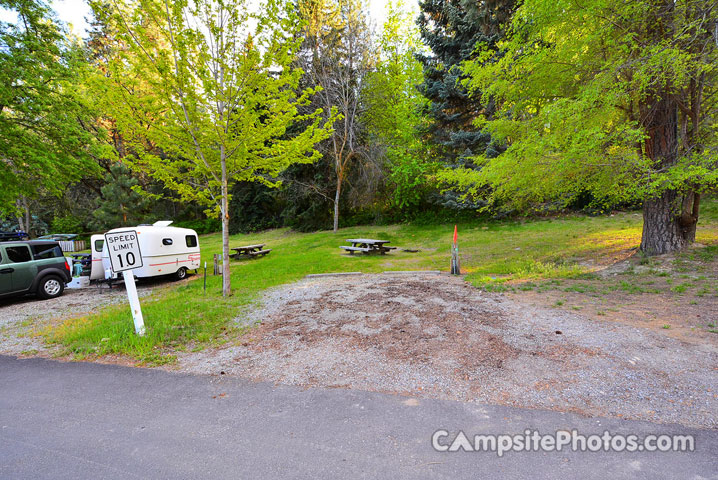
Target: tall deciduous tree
<point>46,128</point>
<point>614,98</point>
<point>338,56</point>
<point>393,106</point>
<point>209,88</point>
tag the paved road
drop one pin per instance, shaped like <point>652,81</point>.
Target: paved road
<point>88,421</point>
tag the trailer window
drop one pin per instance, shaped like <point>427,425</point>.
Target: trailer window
<point>18,254</point>
<point>99,244</point>
<point>166,241</point>
<point>191,240</point>
<point>46,251</point>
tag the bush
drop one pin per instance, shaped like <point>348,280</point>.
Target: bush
<point>207,225</point>
<point>66,224</point>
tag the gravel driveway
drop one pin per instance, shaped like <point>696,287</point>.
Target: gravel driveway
<point>435,336</point>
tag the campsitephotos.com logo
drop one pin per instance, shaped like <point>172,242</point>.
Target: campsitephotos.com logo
<point>534,441</point>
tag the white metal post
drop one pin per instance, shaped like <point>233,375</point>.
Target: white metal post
<point>134,302</point>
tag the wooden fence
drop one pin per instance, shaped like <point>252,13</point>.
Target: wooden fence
<point>72,245</point>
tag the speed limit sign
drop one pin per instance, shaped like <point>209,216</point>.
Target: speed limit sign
<point>124,250</point>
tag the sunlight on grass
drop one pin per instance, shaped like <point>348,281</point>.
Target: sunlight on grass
<point>492,253</point>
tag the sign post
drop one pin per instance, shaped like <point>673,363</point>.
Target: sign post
<point>455,267</point>
<point>125,256</point>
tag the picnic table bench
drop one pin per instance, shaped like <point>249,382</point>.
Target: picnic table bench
<point>367,245</point>
<point>250,251</point>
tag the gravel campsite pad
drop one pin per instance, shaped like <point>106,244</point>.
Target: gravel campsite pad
<point>430,335</point>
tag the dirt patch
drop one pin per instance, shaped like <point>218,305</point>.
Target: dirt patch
<point>673,295</point>
<point>435,336</point>
<point>401,321</point>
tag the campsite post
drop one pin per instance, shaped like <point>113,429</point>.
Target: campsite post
<point>455,268</point>
<point>125,256</point>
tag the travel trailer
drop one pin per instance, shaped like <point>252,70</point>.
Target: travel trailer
<point>165,251</point>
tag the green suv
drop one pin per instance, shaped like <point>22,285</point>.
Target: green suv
<point>34,266</point>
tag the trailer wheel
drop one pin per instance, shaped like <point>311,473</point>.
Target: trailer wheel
<point>181,274</point>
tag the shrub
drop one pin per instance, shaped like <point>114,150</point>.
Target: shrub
<point>207,225</point>
<point>66,224</point>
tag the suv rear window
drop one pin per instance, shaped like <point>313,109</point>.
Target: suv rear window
<point>191,240</point>
<point>18,254</point>
<point>46,251</point>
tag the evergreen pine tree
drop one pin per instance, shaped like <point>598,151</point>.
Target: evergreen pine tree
<point>120,205</point>
<point>452,29</point>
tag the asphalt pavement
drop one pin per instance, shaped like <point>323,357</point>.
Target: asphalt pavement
<point>90,421</point>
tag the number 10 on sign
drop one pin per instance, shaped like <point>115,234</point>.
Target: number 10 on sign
<point>125,256</point>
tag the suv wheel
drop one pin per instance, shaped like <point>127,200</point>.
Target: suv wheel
<point>181,274</point>
<point>50,287</point>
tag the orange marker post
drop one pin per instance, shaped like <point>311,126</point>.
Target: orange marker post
<point>455,267</point>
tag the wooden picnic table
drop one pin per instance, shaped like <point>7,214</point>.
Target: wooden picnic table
<point>250,251</point>
<point>367,245</point>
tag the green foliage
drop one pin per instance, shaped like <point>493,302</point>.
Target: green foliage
<point>253,207</point>
<point>337,55</point>
<point>408,172</point>
<point>394,106</point>
<point>709,210</point>
<point>205,93</point>
<point>121,204</point>
<point>67,224</point>
<point>45,119</point>
<point>207,225</point>
<point>452,29</point>
<point>578,86</point>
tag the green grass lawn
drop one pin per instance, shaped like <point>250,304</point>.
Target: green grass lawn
<point>183,316</point>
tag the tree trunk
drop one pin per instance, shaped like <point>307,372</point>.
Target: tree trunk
<point>226,284</point>
<point>28,219</point>
<point>689,215</point>
<point>21,222</point>
<point>336,204</point>
<point>23,219</point>
<point>663,231</point>
<point>670,218</point>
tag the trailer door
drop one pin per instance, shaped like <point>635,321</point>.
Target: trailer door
<point>97,243</point>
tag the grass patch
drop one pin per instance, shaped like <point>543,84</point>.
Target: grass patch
<point>191,318</point>
<point>708,253</point>
<point>682,288</point>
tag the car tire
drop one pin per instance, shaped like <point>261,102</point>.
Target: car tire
<point>50,287</point>
<point>181,274</point>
